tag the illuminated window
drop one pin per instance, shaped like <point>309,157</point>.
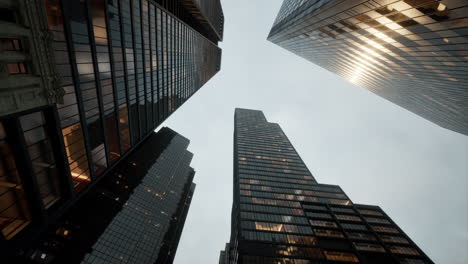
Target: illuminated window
<point>404,250</point>
<point>341,256</point>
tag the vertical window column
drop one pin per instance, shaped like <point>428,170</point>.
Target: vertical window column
<point>76,12</point>
<point>105,78</point>
<point>154,64</point>
<point>115,33</point>
<point>69,111</point>
<point>139,67</point>
<point>125,9</point>
<point>145,16</point>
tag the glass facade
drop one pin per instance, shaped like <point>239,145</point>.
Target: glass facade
<point>124,67</point>
<point>282,215</point>
<point>411,52</point>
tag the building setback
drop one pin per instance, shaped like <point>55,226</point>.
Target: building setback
<point>82,84</point>
<point>411,52</point>
<point>281,215</point>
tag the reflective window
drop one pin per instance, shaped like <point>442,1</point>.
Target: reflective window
<point>42,157</point>
<point>14,209</point>
<point>340,256</point>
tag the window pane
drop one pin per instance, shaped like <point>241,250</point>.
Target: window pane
<point>42,157</point>
<point>14,210</point>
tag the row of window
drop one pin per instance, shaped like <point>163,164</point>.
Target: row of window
<point>271,209</point>
<point>274,218</point>
<point>276,227</point>
<point>291,191</point>
<point>244,155</point>
<point>277,179</point>
<point>287,183</point>
<point>279,238</point>
<point>272,169</point>
<point>271,164</point>
<point>295,197</point>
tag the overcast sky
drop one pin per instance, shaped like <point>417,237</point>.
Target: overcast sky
<point>379,153</point>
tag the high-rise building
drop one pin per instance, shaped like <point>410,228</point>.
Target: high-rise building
<point>82,84</point>
<point>135,214</point>
<point>413,53</point>
<point>281,215</point>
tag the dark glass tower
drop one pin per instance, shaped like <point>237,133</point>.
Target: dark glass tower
<point>82,84</point>
<point>411,52</point>
<point>281,215</point>
<point>135,214</point>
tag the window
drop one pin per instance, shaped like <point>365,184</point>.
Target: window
<point>10,45</point>
<point>14,209</point>
<point>17,68</point>
<point>318,215</point>
<point>361,236</point>
<point>368,247</point>
<point>377,220</point>
<point>340,256</point>
<point>354,227</point>
<point>348,218</point>
<point>323,223</point>
<point>328,233</point>
<point>370,212</point>
<point>394,239</point>
<point>42,157</point>
<point>385,229</point>
<point>404,250</point>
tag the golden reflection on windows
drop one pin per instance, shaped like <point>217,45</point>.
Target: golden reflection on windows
<point>76,154</point>
<point>404,250</point>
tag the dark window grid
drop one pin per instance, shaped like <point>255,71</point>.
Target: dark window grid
<point>271,181</point>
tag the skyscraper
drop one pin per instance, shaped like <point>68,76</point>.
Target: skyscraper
<point>411,52</point>
<point>281,215</point>
<point>82,84</point>
<point>135,214</point>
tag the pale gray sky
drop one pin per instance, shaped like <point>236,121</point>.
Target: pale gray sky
<point>377,152</point>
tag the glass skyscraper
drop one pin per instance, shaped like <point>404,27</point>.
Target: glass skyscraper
<point>413,53</point>
<point>135,214</point>
<point>82,84</point>
<point>282,215</point>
